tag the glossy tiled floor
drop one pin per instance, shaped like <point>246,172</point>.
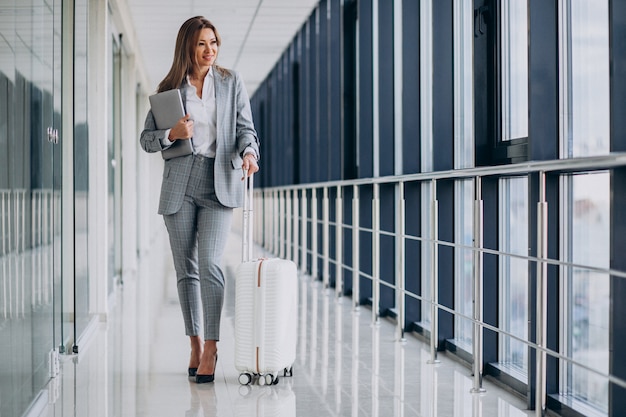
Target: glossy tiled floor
<point>345,367</point>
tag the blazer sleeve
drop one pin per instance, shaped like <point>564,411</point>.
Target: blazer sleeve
<point>151,138</point>
<point>245,131</point>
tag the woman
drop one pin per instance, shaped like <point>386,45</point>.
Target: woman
<point>199,190</point>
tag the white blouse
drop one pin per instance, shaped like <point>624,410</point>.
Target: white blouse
<point>204,115</point>
<point>203,112</point>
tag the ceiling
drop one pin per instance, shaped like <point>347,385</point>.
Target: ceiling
<point>254,32</point>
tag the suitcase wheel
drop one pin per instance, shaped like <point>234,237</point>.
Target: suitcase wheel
<point>288,371</point>
<point>267,379</point>
<point>245,378</point>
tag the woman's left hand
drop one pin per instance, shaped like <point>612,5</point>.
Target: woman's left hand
<point>249,164</point>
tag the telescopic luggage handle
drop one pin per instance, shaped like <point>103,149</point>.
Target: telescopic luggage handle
<point>247,216</point>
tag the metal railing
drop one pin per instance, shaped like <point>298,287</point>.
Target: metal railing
<point>284,223</point>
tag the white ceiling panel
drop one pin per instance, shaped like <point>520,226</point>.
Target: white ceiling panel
<point>254,32</point>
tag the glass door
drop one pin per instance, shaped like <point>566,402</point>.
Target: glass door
<point>30,285</point>
<point>45,195</point>
<point>54,173</point>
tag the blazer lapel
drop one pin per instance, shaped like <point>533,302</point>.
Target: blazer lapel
<point>183,94</point>
<point>221,92</point>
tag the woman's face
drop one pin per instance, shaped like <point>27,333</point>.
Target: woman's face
<point>206,48</point>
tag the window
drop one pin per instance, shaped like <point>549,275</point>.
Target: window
<point>463,85</point>
<point>585,77</point>
<point>427,253</point>
<point>514,69</point>
<point>585,216</point>
<point>463,263</point>
<point>501,81</point>
<point>513,274</point>
<point>585,230</point>
<point>463,158</point>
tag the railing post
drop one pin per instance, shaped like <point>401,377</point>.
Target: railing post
<point>376,255</point>
<point>288,230</point>
<point>356,269</point>
<point>339,243</point>
<point>296,227</point>
<point>267,230</point>
<point>304,234</point>
<point>400,255</point>
<point>325,238</point>
<point>3,229</point>
<point>255,227</point>
<point>314,242</point>
<point>270,216</point>
<point>281,224</point>
<point>263,218</point>
<point>34,232</point>
<point>276,223</point>
<point>542,293</point>
<point>478,287</point>
<point>434,299</point>
<point>259,226</point>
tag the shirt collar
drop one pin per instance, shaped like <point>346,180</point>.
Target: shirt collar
<point>209,74</point>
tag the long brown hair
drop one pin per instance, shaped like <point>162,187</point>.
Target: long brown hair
<point>184,52</point>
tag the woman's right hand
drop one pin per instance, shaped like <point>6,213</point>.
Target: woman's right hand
<point>183,129</point>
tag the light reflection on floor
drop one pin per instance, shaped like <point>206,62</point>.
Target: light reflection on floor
<point>345,367</point>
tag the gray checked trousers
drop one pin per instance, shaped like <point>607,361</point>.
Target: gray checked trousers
<point>198,234</point>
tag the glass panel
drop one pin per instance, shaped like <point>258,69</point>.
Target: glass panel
<point>426,137</point>
<point>586,236</point>
<point>81,166</point>
<point>514,47</point>
<point>114,174</point>
<point>426,82</point>
<point>585,89</point>
<point>463,84</point>
<point>463,263</point>
<point>513,209</point>
<point>28,226</point>
<point>427,252</point>
<point>463,158</point>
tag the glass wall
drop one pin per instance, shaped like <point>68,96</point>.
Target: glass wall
<point>524,85</point>
<point>29,198</point>
<point>40,313</point>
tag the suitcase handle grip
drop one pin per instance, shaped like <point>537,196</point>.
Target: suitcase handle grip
<point>248,185</point>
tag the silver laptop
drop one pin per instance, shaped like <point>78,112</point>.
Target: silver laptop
<point>167,108</point>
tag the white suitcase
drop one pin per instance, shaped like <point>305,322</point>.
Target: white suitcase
<point>266,299</point>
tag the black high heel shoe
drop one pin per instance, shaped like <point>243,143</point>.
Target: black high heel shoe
<point>204,379</point>
<point>192,371</point>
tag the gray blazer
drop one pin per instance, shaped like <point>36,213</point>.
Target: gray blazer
<point>235,133</point>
